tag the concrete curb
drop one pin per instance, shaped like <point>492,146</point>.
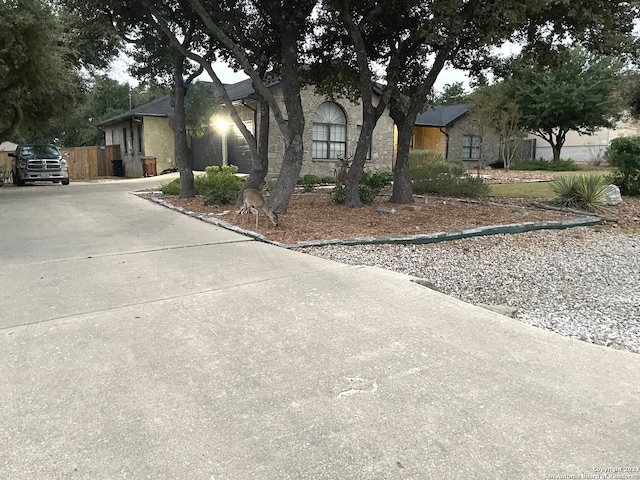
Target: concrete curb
<point>580,221</point>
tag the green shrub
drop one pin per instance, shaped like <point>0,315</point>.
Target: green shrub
<point>446,178</point>
<point>171,188</point>
<point>582,192</point>
<point>498,164</point>
<point>624,155</point>
<point>338,195</point>
<point>311,179</point>
<point>371,184</point>
<point>559,166</point>
<point>377,180</point>
<point>328,180</point>
<point>425,157</point>
<point>308,182</point>
<point>369,187</point>
<point>219,185</point>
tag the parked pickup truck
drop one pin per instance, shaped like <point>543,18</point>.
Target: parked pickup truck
<point>39,163</point>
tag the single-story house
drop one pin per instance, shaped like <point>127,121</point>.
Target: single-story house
<point>142,132</point>
<point>332,130</point>
<point>588,148</point>
<point>454,132</point>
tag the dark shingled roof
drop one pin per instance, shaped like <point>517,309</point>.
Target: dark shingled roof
<point>442,115</point>
<point>438,116</point>
<point>241,90</point>
<point>161,107</point>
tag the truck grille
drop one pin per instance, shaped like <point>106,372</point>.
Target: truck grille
<point>43,164</point>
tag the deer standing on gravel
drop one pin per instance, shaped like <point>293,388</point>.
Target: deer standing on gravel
<point>252,200</point>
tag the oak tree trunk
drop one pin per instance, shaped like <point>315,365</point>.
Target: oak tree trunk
<point>402,187</point>
<point>259,163</point>
<point>352,182</point>
<point>404,112</point>
<point>178,124</point>
<point>293,131</point>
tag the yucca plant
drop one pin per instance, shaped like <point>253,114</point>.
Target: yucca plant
<point>581,192</point>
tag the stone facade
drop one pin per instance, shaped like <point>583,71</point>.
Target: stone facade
<point>470,127</point>
<point>382,144</point>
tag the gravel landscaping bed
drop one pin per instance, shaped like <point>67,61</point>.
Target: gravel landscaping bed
<point>582,283</point>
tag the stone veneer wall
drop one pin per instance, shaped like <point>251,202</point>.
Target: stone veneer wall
<point>468,126</point>
<point>381,148</point>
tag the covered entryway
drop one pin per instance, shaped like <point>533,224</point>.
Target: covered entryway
<point>207,150</point>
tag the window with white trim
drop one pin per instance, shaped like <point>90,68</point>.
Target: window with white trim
<point>471,147</point>
<point>329,132</point>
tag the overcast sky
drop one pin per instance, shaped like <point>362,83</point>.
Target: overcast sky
<point>227,75</point>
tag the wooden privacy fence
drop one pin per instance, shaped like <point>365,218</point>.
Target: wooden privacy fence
<point>91,162</point>
<point>5,167</point>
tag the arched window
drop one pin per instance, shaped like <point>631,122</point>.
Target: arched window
<point>329,132</point>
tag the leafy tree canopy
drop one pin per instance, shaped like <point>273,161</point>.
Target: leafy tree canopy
<point>630,89</point>
<point>577,92</point>
<point>38,82</point>
<point>102,98</point>
<point>452,94</point>
<point>200,104</point>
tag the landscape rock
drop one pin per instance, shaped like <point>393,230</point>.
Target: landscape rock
<point>612,195</point>
<point>382,209</point>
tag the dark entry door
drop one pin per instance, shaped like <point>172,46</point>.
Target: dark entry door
<point>238,151</point>
<point>206,151</point>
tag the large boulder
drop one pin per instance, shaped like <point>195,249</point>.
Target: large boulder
<point>612,195</point>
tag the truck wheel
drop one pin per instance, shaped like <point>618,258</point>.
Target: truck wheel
<point>17,180</point>
<point>65,182</point>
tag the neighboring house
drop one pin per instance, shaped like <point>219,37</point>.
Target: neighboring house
<point>142,132</point>
<point>454,132</point>
<point>587,148</point>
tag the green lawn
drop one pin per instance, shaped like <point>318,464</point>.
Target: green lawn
<point>521,190</point>
<point>535,189</point>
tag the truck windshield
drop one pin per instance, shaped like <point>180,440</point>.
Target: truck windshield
<point>42,151</point>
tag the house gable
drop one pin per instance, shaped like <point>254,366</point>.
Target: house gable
<point>433,128</point>
<point>457,135</point>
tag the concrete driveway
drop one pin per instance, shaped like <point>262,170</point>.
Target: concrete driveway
<point>139,343</point>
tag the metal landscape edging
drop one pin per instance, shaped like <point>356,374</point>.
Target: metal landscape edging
<point>512,228</point>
